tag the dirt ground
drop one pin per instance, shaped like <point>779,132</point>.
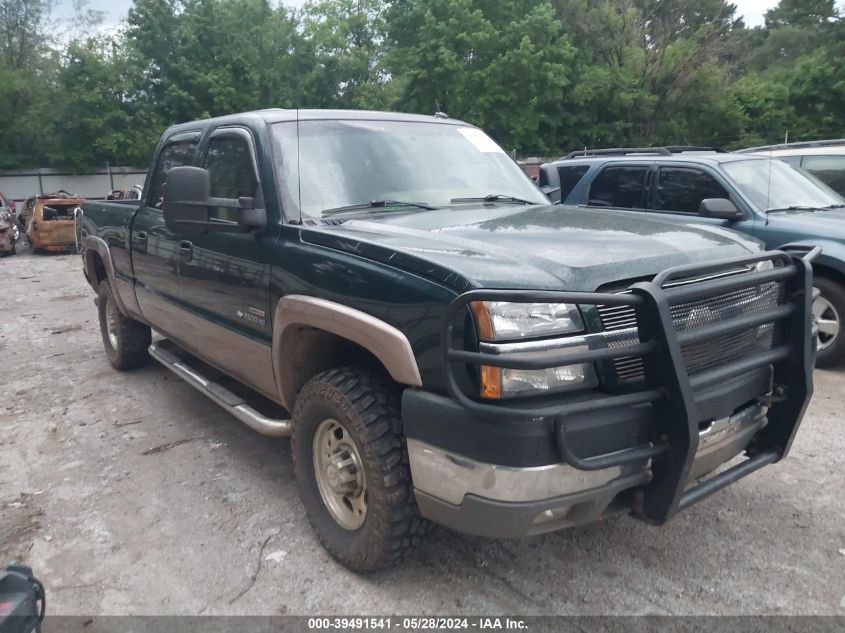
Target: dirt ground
<point>133,494</point>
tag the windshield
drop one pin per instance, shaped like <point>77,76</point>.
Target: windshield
<point>346,163</point>
<point>772,184</point>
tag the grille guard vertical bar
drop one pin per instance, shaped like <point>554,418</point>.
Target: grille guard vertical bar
<point>675,414</point>
<point>795,373</point>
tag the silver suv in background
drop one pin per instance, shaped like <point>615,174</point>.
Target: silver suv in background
<point>823,159</point>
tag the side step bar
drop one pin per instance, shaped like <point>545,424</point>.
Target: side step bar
<point>234,404</point>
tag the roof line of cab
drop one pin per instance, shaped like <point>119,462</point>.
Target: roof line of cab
<point>279,115</point>
<point>680,158</point>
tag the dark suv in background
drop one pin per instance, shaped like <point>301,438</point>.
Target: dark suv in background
<point>765,198</point>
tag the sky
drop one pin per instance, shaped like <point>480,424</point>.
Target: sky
<point>115,10</point>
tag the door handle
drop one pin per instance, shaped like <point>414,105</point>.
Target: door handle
<point>140,241</point>
<point>186,251</point>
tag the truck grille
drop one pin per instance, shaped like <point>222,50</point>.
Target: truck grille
<point>621,323</point>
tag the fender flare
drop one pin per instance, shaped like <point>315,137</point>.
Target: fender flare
<point>832,255</point>
<point>387,343</point>
<point>99,246</point>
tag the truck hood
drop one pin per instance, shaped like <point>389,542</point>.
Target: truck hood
<point>826,224</point>
<point>537,247</point>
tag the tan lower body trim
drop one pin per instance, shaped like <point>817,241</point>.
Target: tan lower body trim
<point>243,358</point>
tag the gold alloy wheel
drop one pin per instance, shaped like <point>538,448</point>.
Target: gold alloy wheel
<point>340,475</point>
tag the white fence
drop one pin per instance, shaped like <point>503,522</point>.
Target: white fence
<point>20,185</point>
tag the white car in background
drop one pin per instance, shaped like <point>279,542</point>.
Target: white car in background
<point>823,159</point>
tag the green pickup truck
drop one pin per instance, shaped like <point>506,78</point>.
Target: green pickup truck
<point>442,345</point>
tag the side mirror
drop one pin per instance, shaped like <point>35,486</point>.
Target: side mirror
<point>186,194</point>
<point>188,201</point>
<point>719,209</point>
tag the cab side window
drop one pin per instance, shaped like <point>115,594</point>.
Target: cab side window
<point>681,190</point>
<point>175,154</point>
<point>230,166</point>
<point>620,187</point>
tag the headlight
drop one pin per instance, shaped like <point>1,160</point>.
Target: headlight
<point>766,264</point>
<point>499,383</point>
<point>501,321</point>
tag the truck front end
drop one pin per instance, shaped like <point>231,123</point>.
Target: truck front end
<point>564,407</point>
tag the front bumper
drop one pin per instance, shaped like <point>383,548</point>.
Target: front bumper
<point>510,502</point>
<point>641,451</point>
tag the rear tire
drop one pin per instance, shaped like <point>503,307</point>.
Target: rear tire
<point>125,340</point>
<point>828,312</point>
<point>359,496</point>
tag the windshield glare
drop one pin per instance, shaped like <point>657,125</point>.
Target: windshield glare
<point>343,163</point>
<point>772,184</point>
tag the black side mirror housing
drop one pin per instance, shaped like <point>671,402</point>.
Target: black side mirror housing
<point>549,183</point>
<point>719,209</point>
<point>186,194</point>
<point>188,200</point>
<point>549,191</point>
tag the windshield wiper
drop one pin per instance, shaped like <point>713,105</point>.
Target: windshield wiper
<point>835,206</point>
<point>493,198</point>
<point>377,204</point>
<point>795,207</point>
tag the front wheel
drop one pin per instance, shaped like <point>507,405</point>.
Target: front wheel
<point>352,470</point>
<point>828,311</point>
<point>126,341</point>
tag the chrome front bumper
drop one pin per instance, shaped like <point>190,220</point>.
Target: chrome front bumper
<point>499,501</point>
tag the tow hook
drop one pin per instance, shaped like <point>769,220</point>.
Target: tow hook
<point>777,396</point>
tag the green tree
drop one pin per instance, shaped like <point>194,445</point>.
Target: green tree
<point>651,72</point>
<point>346,39</point>
<point>504,66</point>
<point>99,119</point>
<point>795,82</point>
<point>211,57</point>
<point>27,70</point>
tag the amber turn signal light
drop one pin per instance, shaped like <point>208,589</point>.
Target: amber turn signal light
<point>491,382</point>
<point>483,322</point>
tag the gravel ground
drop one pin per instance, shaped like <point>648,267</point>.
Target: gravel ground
<point>133,494</point>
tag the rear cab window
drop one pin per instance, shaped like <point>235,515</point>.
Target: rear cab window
<point>620,186</point>
<point>230,164</point>
<point>681,189</point>
<point>178,152</point>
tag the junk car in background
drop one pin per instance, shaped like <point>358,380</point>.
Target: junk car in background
<point>126,194</point>
<point>8,237</point>
<point>50,225</point>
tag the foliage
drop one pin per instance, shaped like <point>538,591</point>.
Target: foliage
<point>541,76</point>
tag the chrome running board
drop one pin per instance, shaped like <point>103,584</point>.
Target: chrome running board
<point>234,404</point>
